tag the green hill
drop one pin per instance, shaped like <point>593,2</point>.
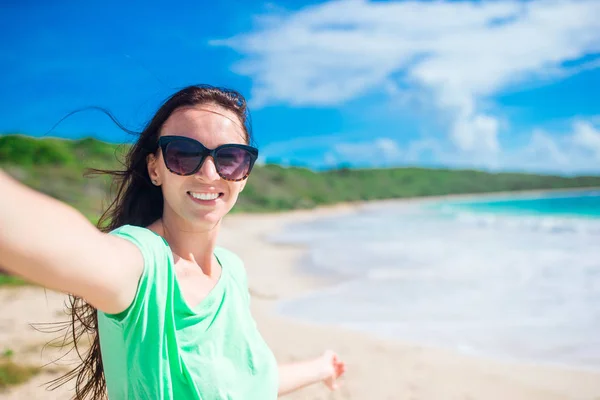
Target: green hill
<point>56,167</point>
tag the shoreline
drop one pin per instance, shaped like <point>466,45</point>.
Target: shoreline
<point>325,282</point>
<point>323,209</point>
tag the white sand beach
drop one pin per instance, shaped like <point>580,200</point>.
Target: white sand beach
<point>376,368</point>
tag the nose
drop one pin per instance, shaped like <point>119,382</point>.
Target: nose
<point>208,170</point>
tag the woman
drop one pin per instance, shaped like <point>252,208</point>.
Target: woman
<point>168,310</point>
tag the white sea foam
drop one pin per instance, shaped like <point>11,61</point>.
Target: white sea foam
<point>511,286</point>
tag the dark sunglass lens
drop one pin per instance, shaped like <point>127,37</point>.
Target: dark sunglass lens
<point>182,157</point>
<point>233,162</point>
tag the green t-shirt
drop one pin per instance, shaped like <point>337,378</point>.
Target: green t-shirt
<point>161,348</point>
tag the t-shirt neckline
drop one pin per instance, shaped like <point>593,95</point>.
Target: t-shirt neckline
<point>213,292</point>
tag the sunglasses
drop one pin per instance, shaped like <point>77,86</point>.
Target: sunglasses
<point>185,156</point>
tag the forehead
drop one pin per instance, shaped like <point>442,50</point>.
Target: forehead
<point>210,124</point>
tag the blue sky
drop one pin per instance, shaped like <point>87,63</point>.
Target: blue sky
<point>499,85</point>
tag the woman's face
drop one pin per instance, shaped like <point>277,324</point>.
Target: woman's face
<point>204,198</point>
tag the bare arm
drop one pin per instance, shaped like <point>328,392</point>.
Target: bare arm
<point>50,243</point>
<point>326,368</point>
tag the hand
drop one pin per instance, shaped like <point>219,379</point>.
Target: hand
<point>332,369</point>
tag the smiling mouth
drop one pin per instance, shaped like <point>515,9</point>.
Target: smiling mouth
<point>205,196</point>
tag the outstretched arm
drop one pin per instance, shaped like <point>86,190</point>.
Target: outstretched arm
<point>326,368</point>
<point>50,243</point>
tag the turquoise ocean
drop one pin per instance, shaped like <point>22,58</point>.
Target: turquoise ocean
<point>513,277</point>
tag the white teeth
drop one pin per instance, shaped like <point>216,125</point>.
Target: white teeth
<point>204,196</point>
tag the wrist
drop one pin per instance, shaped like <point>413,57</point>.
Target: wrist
<point>321,369</point>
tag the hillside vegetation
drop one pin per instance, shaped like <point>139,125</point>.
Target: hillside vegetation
<point>56,167</point>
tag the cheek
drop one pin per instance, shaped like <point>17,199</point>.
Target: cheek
<point>234,189</point>
<point>172,187</point>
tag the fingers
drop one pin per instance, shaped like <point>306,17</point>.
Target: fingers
<point>335,368</point>
<point>338,368</point>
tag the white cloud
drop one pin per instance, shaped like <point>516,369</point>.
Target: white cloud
<point>333,150</point>
<point>587,137</point>
<point>576,151</point>
<point>459,52</point>
<point>475,132</point>
<point>543,150</point>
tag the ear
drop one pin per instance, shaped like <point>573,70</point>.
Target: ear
<point>243,185</point>
<point>151,163</point>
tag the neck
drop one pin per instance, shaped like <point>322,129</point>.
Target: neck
<point>194,243</point>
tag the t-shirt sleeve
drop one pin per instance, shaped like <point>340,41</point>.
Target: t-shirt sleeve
<point>154,252</point>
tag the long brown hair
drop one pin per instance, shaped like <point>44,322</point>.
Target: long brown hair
<point>137,202</point>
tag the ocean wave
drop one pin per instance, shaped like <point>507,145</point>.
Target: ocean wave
<point>537,223</point>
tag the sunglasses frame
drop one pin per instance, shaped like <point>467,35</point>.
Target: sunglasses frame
<point>164,141</point>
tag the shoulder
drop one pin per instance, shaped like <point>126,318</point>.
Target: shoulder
<point>155,250</point>
<point>135,231</point>
<point>140,236</point>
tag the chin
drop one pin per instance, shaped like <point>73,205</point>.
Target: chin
<point>210,218</point>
